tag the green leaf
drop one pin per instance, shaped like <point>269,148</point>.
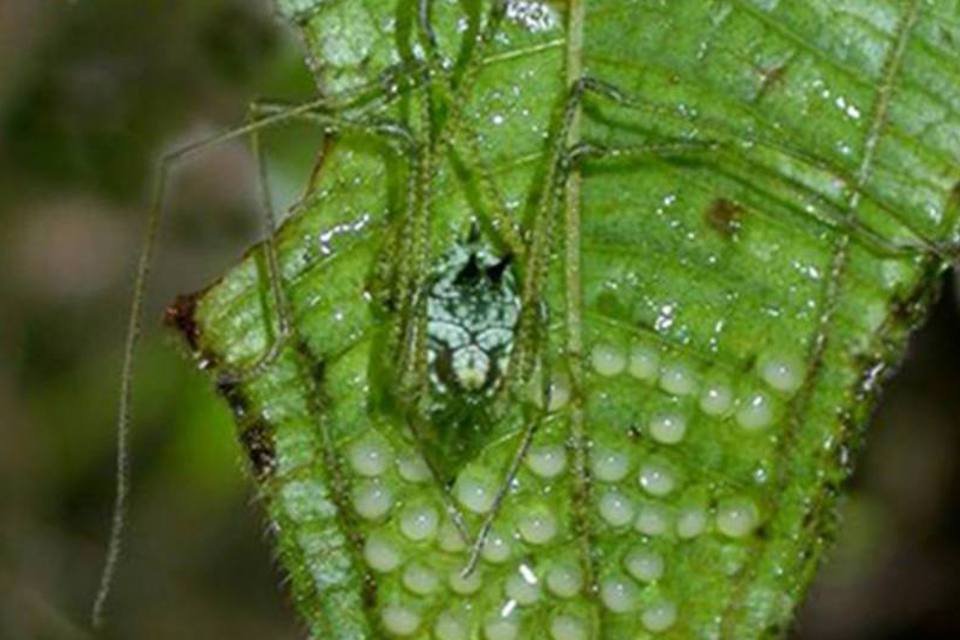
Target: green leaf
<point>718,308</point>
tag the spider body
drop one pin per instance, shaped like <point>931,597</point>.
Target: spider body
<point>472,311</point>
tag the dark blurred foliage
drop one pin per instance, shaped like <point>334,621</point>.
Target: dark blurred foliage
<point>92,92</point>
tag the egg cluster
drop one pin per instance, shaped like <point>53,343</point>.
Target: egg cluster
<point>781,376</point>
<point>417,554</point>
<point>642,482</point>
<point>529,579</point>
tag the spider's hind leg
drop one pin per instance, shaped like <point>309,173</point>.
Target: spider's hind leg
<point>322,109</point>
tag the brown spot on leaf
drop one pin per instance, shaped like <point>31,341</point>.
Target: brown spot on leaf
<point>257,441</point>
<point>181,315</point>
<point>770,78</point>
<point>725,217</point>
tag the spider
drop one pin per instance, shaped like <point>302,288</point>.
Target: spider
<point>467,333</point>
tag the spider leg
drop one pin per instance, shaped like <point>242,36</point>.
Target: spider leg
<point>728,147</point>
<point>314,110</point>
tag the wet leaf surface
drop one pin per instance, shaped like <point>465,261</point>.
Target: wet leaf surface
<point>759,200</point>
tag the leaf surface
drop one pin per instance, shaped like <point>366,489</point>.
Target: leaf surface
<point>757,219</point>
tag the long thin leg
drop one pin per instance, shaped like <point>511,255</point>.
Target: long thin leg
<point>307,111</point>
<point>725,146</point>
<point>530,337</point>
<point>386,129</point>
<point>455,93</point>
<point>134,327</point>
<point>561,160</point>
<point>528,334</point>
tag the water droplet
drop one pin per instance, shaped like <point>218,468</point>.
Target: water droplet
<point>537,525</point>
<point>659,616</point>
<point>399,620</point>
<point>609,465</point>
<point>608,360</point>
<point>618,594</point>
<point>548,460</point>
<point>678,379</point>
<point>420,579</point>
<point>370,456</point>
<point>755,412</point>
<point>381,554</point>
<point>564,580</point>
<point>419,522</point>
<point>668,428</point>
<point>372,499</point>
<point>616,508</point>
<point>644,564</point>
<point>644,363</point>
<point>737,517</point>
<point>653,520</point>
<point>665,318</point>
<point>656,479</point>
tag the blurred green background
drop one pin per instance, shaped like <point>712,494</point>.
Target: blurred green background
<point>92,92</point>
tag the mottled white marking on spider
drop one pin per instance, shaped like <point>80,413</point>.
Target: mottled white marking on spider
<point>472,310</point>
<point>532,15</point>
